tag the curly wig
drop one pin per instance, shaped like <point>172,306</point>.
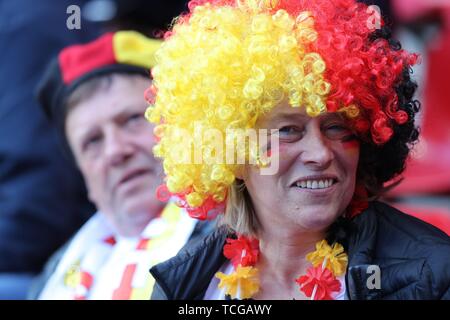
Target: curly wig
<point>227,62</point>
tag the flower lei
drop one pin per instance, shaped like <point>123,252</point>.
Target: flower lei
<point>319,283</point>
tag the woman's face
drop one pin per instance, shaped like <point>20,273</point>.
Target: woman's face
<point>318,159</point>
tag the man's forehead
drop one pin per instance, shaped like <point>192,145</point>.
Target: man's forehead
<point>107,111</point>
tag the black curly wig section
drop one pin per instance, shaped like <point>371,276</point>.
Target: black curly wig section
<point>380,164</point>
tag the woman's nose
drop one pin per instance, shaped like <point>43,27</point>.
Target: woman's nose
<point>315,149</point>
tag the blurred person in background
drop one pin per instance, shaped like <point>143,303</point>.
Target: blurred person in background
<point>94,94</point>
<point>42,199</point>
<point>42,196</point>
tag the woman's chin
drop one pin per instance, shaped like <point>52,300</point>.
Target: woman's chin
<point>313,220</point>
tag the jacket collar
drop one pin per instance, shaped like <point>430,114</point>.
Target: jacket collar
<point>361,246</point>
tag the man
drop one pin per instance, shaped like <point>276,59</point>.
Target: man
<point>94,95</point>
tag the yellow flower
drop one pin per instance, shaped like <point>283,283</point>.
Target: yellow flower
<point>336,258</point>
<point>241,284</point>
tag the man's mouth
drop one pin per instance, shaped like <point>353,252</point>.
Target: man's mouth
<point>315,182</point>
<point>132,174</point>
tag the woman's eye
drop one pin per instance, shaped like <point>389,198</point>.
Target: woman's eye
<point>337,131</point>
<point>287,130</point>
<point>290,133</point>
<point>337,127</point>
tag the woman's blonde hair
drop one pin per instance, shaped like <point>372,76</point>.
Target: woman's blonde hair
<point>240,216</point>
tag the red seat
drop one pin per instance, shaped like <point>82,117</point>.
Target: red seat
<point>434,215</point>
<point>429,170</point>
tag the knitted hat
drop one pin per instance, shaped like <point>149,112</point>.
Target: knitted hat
<point>120,52</point>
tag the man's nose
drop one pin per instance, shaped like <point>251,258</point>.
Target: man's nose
<point>118,147</point>
<point>316,151</point>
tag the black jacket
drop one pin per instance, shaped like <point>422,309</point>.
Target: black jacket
<point>413,257</point>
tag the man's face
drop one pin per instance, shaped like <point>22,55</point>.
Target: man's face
<point>112,143</point>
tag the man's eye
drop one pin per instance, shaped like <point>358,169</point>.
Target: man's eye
<point>134,120</point>
<point>135,117</point>
<point>91,142</point>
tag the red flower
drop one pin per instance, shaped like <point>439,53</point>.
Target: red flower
<point>242,251</point>
<point>322,278</point>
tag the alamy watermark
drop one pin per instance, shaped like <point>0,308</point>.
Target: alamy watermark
<point>374,21</point>
<point>236,146</point>
<point>73,21</point>
<point>374,280</point>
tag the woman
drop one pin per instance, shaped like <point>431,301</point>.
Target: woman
<point>336,95</point>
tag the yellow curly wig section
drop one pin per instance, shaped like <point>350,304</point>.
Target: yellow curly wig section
<point>223,68</point>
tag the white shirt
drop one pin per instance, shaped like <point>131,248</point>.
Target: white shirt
<point>99,264</point>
